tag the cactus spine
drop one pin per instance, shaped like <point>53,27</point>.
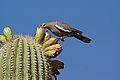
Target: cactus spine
<point>27,58</point>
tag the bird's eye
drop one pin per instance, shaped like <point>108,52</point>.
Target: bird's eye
<point>43,24</point>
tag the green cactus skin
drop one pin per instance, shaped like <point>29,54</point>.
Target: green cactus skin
<point>24,59</point>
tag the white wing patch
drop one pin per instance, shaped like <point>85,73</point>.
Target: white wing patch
<point>61,28</point>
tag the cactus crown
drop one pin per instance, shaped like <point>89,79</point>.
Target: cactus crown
<point>29,58</point>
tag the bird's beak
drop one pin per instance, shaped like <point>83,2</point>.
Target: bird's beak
<point>41,26</point>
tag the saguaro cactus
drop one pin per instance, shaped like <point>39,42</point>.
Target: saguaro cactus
<point>29,58</point>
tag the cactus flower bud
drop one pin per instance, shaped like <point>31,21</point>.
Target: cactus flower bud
<point>8,33</point>
<point>47,36</point>
<point>53,53</point>
<point>55,46</point>
<point>51,41</point>
<point>2,39</point>
<point>39,36</point>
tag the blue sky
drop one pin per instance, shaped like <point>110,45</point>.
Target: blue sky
<point>98,19</point>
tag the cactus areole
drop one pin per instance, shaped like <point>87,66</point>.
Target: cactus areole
<point>29,58</point>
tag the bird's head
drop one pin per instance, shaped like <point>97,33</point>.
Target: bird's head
<point>47,25</point>
<point>43,25</point>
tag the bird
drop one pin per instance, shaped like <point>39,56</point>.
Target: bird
<point>63,30</point>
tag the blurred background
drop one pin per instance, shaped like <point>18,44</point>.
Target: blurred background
<point>98,19</point>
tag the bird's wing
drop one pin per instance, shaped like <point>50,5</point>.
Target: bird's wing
<point>66,28</point>
<point>62,28</point>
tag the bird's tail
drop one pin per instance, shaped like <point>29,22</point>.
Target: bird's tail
<point>82,38</point>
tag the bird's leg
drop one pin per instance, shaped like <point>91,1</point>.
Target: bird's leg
<point>62,38</point>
